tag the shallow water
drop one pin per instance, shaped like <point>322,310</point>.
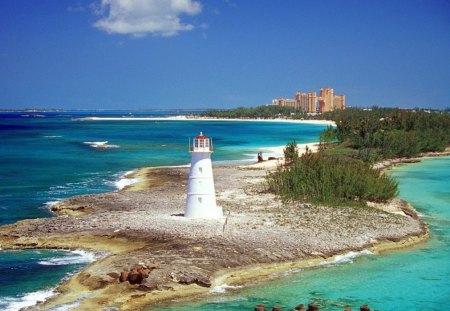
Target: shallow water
<point>414,279</point>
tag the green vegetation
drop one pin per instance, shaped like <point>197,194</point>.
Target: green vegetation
<point>341,172</point>
<point>291,152</point>
<point>391,132</point>
<point>322,179</point>
<point>261,112</point>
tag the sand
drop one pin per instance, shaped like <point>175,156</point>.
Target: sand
<point>185,118</point>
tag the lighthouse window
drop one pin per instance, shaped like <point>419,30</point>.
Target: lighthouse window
<point>200,169</point>
<point>199,200</point>
<point>202,143</point>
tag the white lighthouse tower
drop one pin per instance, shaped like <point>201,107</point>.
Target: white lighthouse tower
<point>201,195</point>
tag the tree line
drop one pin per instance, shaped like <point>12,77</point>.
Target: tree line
<point>390,132</point>
<point>260,112</point>
<point>341,172</point>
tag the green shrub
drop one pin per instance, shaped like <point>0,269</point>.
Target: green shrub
<point>291,153</point>
<point>321,179</point>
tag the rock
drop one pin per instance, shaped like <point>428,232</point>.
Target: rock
<point>276,308</point>
<point>185,280</point>
<point>202,281</point>
<point>260,307</point>
<point>313,307</point>
<point>364,308</point>
<point>300,307</point>
<point>157,280</point>
<point>145,273</point>
<point>114,275</point>
<point>153,266</point>
<point>123,276</point>
<point>135,277</point>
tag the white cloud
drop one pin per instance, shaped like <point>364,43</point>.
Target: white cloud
<point>142,17</point>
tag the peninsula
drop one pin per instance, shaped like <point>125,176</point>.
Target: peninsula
<point>151,253</point>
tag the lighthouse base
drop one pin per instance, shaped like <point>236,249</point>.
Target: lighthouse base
<point>202,207</point>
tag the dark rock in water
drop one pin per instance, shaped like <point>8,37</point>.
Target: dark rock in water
<point>313,307</point>
<point>260,307</point>
<point>276,308</point>
<point>348,309</point>
<point>364,308</point>
<point>300,307</point>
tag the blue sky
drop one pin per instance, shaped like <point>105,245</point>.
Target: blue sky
<point>153,54</point>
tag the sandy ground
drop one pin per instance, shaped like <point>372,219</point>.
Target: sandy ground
<point>184,118</point>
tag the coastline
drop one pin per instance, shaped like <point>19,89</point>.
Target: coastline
<point>120,242</point>
<point>184,118</point>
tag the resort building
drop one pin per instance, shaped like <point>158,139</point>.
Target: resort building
<point>311,103</point>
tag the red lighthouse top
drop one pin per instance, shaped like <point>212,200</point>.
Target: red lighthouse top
<point>201,136</point>
<point>201,143</point>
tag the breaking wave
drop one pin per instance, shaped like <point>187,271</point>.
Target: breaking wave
<point>346,258</point>
<point>220,289</point>
<point>125,181</point>
<point>100,144</point>
<point>72,258</point>
<point>27,300</point>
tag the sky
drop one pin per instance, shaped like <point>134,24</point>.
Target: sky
<point>186,54</point>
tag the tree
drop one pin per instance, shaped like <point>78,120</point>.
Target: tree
<point>291,153</point>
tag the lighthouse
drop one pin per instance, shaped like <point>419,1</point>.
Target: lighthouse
<point>201,195</point>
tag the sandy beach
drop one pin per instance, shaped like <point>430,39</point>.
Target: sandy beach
<point>185,118</point>
<point>142,228</point>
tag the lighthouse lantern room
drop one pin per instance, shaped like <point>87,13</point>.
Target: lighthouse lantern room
<point>201,195</point>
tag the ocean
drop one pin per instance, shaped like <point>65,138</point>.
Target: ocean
<point>46,157</point>
<point>49,156</point>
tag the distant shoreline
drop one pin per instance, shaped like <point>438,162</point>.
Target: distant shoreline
<point>184,118</point>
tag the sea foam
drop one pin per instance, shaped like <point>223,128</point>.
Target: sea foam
<point>220,289</point>
<point>72,258</point>
<point>125,181</point>
<point>27,300</point>
<point>49,204</point>
<point>346,258</point>
<point>100,144</point>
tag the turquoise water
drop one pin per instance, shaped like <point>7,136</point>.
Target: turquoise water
<point>46,157</point>
<point>415,279</point>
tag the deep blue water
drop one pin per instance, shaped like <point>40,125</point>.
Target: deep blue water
<point>45,158</point>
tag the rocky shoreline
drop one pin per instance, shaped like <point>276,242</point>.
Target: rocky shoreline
<point>154,254</point>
